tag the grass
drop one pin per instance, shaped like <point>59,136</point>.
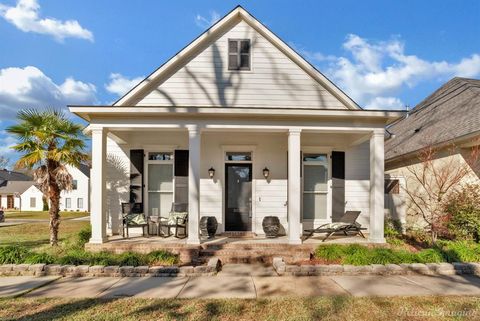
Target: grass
<point>355,254</point>
<point>41,215</point>
<point>29,243</point>
<point>36,235</point>
<point>324,308</point>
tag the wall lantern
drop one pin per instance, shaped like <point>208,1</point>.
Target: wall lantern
<point>266,172</point>
<point>211,172</point>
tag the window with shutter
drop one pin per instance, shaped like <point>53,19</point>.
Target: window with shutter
<point>239,54</point>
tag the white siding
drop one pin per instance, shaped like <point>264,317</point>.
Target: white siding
<point>118,183</point>
<point>82,191</point>
<point>31,192</point>
<point>274,81</point>
<point>357,181</point>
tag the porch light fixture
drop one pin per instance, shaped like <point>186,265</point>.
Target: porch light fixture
<point>266,172</point>
<point>211,172</point>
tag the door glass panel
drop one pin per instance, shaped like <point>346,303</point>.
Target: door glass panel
<point>315,178</point>
<point>160,203</point>
<point>315,158</point>
<point>238,198</point>
<point>314,205</point>
<point>160,177</point>
<point>238,156</point>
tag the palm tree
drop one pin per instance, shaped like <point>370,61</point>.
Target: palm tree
<point>48,141</point>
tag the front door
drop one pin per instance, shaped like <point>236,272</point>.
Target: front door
<point>238,197</point>
<point>315,189</point>
<point>10,201</point>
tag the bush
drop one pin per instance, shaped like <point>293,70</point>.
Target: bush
<point>332,253</point>
<point>84,235</point>
<point>434,255</point>
<point>74,257</point>
<point>161,258</point>
<point>131,259</point>
<point>13,254</point>
<point>460,251</point>
<point>35,258</point>
<point>463,208</point>
<point>103,258</point>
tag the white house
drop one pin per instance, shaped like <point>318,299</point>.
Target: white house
<point>18,191</point>
<point>78,199</point>
<point>237,101</point>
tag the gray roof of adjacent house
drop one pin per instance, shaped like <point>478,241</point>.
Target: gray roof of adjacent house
<point>6,175</point>
<point>85,169</point>
<point>12,187</point>
<point>452,112</point>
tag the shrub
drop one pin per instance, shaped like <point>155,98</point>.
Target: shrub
<point>74,257</point>
<point>84,235</point>
<point>463,208</point>
<point>433,255</point>
<point>131,259</point>
<point>103,258</point>
<point>13,254</point>
<point>331,253</point>
<point>161,258</point>
<point>35,258</point>
<point>460,251</point>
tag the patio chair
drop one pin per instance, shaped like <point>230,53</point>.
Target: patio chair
<point>346,224</point>
<point>177,218</point>
<point>132,216</point>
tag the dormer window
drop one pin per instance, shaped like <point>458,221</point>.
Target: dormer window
<point>238,54</point>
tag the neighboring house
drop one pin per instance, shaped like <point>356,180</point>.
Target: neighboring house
<point>278,136</point>
<point>78,199</point>
<point>449,120</point>
<point>18,191</point>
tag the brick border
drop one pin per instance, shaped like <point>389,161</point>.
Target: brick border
<point>375,269</point>
<point>212,267</point>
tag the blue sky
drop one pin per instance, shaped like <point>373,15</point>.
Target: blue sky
<point>385,54</point>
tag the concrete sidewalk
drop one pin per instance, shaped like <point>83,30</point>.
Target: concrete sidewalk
<point>229,286</point>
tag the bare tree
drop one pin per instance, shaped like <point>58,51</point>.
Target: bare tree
<point>433,178</point>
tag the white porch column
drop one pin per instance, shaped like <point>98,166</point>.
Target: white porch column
<point>377,186</point>
<point>194,140</point>
<point>98,218</point>
<point>294,187</point>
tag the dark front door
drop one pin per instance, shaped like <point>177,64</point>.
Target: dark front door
<point>238,195</point>
<point>10,201</point>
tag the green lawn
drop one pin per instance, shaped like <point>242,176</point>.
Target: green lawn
<point>36,235</point>
<point>41,215</point>
<point>322,308</point>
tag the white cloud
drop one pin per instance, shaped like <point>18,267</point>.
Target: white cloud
<point>6,143</point>
<point>206,22</point>
<point>120,84</point>
<point>29,87</point>
<point>374,72</point>
<point>25,16</point>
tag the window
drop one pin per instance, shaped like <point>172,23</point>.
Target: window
<point>238,54</point>
<point>392,186</point>
<point>160,156</point>
<point>238,156</point>
<point>74,184</point>
<point>79,203</point>
<point>33,202</point>
<point>68,203</point>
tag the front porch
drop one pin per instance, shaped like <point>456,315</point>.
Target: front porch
<point>315,172</point>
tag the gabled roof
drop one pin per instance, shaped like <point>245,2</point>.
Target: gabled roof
<point>7,175</point>
<point>223,24</point>
<point>451,113</point>
<point>11,187</point>
<point>85,169</point>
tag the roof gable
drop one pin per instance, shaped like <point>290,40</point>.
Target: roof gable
<point>180,81</point>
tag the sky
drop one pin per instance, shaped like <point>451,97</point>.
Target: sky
<point>383,54</point>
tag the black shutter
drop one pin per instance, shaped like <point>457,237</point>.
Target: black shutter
<point>181,163</point>
<point>338,165</point>
<point>338,185</point>
<point>136,175</point>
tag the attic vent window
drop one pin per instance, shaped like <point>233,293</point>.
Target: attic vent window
<point>239,54</point>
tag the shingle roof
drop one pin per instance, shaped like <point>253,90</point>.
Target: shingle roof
<point>11,187</point>
<point>13,176</point>
<point>451,112</point>
<point>85,169</point>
